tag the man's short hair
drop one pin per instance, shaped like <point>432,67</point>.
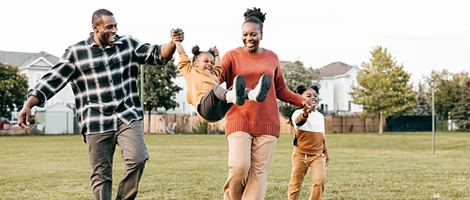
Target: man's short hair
<point>96,18</point>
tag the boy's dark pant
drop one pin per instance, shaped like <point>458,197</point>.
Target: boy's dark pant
<point>100,152</point>
<point>213,106</point>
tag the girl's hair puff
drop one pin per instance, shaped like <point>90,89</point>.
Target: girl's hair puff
<point>256,16</point>
<point>301,89</point>
<point>196,52</point>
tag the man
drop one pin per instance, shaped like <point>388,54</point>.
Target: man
<point>103,73</point>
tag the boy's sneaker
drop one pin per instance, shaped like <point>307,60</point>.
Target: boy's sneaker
<point>237,94</point>
<point>261,90</point>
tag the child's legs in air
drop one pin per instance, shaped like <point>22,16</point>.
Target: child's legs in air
<point>213,106</point>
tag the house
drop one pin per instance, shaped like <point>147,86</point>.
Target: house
<point>34,66</point>
<point>337,78</point>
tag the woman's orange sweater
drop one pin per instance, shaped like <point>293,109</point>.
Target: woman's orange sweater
<point>256,118</point>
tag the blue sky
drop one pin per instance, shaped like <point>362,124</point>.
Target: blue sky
<point>421,35</point>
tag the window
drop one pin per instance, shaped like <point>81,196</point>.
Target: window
<point>38,77</point>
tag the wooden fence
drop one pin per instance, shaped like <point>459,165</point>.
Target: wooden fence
<point>162,123</point>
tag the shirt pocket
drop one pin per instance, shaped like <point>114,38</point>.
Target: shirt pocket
<point>92,67</point>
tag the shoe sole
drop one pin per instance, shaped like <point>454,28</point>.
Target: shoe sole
<point>265,86</point>
<point>239,86</point>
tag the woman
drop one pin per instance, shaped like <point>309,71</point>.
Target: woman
<point>252,129</point>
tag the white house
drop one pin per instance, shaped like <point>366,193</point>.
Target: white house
<point>34,66</point>
<point>336,81</point>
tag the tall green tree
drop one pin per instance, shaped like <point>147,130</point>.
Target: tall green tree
<point>383,87</point>
<point>13,89</point>
<point>159,89</point>
<point>446,89</point>
<point>423,106</point>
<point>461,111</point>
<point>297,74</point>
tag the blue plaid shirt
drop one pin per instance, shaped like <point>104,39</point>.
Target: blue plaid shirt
<point>104,81</point>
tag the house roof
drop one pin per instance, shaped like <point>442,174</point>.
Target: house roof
<point>284,63</point>
<point>21,59</point>
<point>334,69</point>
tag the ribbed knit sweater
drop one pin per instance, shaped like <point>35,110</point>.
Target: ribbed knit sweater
<point>256,118</point>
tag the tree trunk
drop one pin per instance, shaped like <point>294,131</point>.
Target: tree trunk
<point>381,128</point>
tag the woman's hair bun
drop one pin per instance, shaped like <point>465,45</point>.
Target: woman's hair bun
<point>255,12</point>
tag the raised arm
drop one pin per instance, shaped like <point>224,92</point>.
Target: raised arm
<point>168,49</point>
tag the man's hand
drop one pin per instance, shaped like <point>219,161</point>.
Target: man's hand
<point>25,112</point>
<point>177,35</point>
<point>23,117</point>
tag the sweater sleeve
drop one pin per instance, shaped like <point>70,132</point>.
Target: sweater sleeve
<point>184,64</point>
<point>300,120</point>
<point>283,93</point>
<point>217,71</point>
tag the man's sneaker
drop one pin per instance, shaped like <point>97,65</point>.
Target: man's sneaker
<point>237,94</point>
<point>261,90</point>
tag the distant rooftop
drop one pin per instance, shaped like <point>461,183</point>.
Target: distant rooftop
<point>334,69</point>
<point>20,59</point>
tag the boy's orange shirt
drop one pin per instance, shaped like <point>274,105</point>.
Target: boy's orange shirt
<point>198,81</point>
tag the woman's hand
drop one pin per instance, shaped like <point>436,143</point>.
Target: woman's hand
<point>307,106</point>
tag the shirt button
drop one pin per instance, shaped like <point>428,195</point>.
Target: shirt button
<point>111,81</point>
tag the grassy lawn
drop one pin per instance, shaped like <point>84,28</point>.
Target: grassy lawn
<point>363,166</point>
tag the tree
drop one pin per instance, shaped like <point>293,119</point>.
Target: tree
<point>423,106</point>
<point>461,112</point>
<point>13,89</point>
<point>159,89</point>
<point>446,89</point>
<point>383,88</point>
<point>296,74</point>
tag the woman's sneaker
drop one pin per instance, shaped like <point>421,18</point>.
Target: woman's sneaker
<point>237,94</point>
<point>261,90</point>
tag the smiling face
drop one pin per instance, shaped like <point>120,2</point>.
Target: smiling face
<point>311,96</point>
<point>251,36</point>
<point>105,32</point>
<point>205,62</point>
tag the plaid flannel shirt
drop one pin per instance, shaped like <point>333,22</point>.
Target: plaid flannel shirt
<point>104,81</point>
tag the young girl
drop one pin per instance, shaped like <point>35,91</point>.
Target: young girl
<point>309,146</point>
<point>210,99</point>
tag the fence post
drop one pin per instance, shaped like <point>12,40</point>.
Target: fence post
<point>365,127</point>
<point>342,124</point>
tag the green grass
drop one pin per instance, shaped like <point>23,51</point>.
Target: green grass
<point>362,166</point>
